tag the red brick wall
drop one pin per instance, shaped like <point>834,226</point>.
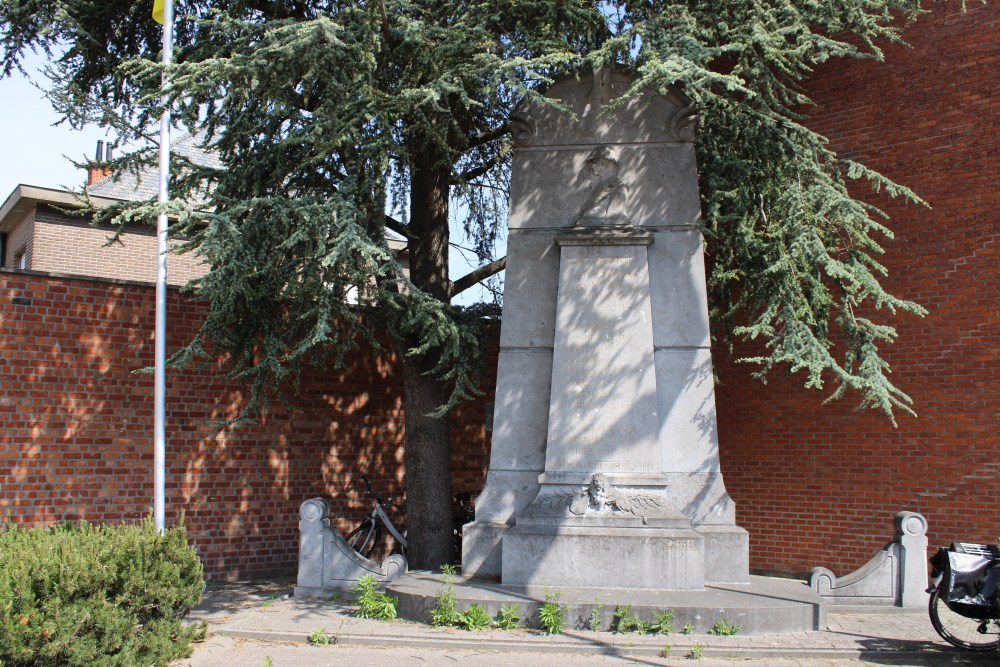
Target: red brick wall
<point>76,427</point>
<point>819,485</point>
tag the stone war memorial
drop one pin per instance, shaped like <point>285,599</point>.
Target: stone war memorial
<point>605,466</point>
<point>605,488</point>
<point>604,484</point>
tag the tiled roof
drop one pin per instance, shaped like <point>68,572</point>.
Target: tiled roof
<point>129,186</point>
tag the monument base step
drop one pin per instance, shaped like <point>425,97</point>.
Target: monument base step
<point>617,557</point>
<point>765,605</point>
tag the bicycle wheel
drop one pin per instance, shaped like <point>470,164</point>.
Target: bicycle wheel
<point>972,634</point>
<point>365,538</point>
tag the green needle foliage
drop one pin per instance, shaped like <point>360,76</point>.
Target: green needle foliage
<point>326,115</point>
<point>78,594</point>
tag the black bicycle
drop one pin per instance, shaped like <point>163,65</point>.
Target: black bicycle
<point>963,603</point>
<point>366,538</point>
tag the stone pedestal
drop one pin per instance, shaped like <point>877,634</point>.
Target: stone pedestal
<point>604,470</point>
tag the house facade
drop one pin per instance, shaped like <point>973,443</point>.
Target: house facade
<point>39,232</point>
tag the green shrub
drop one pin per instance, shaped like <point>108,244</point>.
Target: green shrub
<point>78,594</point>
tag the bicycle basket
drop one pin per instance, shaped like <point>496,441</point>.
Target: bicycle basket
<point>970,579</point>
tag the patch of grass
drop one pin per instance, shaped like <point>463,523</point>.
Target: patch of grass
<point>444,612</point>
<point>665,651</point>
<point>697,652</point>
<point>687,629</point>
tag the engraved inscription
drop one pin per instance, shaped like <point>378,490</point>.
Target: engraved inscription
<point>603,401</point>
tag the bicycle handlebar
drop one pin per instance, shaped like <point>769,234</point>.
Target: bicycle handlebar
<point>385,502</point>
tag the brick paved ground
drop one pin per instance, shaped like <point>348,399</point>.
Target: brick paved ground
<point>253,625</point>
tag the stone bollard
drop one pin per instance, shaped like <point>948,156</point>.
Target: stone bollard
<point>911,534</point>
<point>327,563</point>
<point>896,575</point>
<point>313,523</point>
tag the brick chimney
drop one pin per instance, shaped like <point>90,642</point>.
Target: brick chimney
<point>100,167</point>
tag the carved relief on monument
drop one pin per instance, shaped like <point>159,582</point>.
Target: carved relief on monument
<point>601,497</point>
<point>605,203</point>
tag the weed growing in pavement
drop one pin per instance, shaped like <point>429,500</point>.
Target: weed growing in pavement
<point>474,618</point>
<point>373,603</point>
<point>508,617</point>
<point>724,628</point>
<point>663,624</point>
<point>552,615</point>
<point>318,637</point>
<point>625,621</point>
<point>595,617</point>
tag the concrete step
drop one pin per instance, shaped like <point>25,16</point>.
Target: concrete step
<point>765,605</point>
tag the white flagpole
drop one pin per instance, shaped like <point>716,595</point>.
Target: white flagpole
<point>160,341</point>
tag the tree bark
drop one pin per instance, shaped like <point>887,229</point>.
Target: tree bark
<point>427,454</point>
<point>427,457</point>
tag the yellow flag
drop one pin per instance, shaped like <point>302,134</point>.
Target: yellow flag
<point>158,11</point>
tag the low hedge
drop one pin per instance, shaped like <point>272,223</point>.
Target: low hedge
<point>78,594</point>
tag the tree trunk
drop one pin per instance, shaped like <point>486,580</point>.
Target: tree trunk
<point>428,456</point>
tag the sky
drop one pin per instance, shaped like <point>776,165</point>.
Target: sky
<point>36,151</point>
<point>33,149</point>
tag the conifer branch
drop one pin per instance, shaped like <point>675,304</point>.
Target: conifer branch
<point>485,167</point>
<point>489,135</point>
<point>476,276</point>
<point>398,227</point>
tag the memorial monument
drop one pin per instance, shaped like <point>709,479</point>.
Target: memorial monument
<point>604,470</point>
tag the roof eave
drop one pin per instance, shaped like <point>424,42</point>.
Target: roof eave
<point>25,197</point>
